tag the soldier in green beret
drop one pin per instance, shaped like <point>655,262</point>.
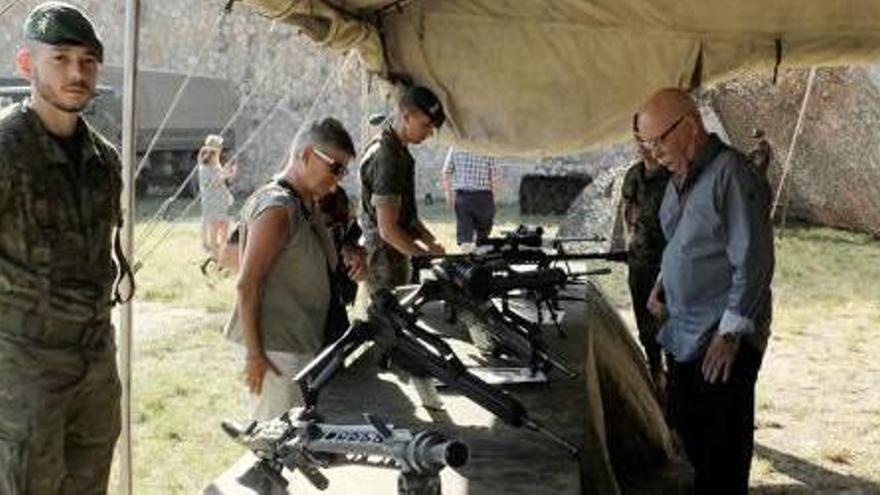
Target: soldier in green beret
<point>392,229</point>
<point>60,185</point>
<point>644,186</point>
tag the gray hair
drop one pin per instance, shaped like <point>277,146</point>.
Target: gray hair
<point>324,134</point>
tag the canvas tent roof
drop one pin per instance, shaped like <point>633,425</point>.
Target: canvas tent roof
<point>551,76</point>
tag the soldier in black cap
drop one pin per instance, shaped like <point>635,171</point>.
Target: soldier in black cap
<point>392,229</point>
<point>60,184</point>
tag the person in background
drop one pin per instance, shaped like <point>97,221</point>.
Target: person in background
<point>230,251</point>
<point>215,196</point>
<point>644,186</point>
<point>714,284</point>
<point>392,229</point>
<point>469,182</point>
<point>344,280</point>
<point>761,155</point>
<point>283,291</point>
<point>60,186</point>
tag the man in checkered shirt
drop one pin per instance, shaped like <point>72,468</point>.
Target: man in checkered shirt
<point>468,182</point>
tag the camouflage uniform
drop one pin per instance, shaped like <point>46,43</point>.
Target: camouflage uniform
<point>646,245</point>
<point>59,388</point>
<point>387,176</point>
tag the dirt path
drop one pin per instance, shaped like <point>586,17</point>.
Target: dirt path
<point>819,407</point>
<point>154,321</point>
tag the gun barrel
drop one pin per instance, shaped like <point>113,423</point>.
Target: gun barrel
<point>453,453</point>
<point>231,428</point>
<point>422,452</point>
<point>562,240</point>
<point>324,367</point>
<point>538,427</point>
<point>556,363</point>
<point>530,280</point>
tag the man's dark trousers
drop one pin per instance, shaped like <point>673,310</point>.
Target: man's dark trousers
<point>641,278</point>
<point>474,214</point>
<point>716,422</point>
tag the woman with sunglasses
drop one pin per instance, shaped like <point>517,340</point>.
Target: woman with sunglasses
<point>283,289</point>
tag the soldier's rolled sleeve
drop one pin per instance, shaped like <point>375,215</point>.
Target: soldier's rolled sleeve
<point>385,200</point>
<point>388,186</point>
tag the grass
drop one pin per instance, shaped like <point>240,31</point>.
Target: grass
<point>817,397</point>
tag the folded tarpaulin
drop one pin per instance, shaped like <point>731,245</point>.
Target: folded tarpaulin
<point>540,77</point>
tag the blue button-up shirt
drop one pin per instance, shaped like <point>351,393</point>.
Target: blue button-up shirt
<point>718,262</point>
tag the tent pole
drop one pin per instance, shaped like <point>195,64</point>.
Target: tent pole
<point>786,167</point>
<point>129,160</point>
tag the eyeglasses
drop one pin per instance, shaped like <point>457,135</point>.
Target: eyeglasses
<point>338,169</point>
<point>656,141</point>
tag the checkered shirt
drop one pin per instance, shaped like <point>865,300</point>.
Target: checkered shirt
<point>469,172</point>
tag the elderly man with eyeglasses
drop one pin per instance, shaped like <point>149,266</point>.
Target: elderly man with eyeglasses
<point>283,287</point>
<point>714,287</point>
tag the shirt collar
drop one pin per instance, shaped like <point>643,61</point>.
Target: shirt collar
<point>706,154</point>
<point>83,132</point>
<point>391,137</point>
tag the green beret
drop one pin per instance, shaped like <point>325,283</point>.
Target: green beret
<point>59,23</point>
<point>425,100</point>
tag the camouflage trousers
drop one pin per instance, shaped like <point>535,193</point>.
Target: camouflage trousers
<point>387,268</point>
<point>59,412</point>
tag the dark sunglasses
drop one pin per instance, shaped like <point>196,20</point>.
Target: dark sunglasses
<point>336,168</point>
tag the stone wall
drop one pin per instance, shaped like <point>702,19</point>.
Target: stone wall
<point>245,50</point>
<point>270,61</point>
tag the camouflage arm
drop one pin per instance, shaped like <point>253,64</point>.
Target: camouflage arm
<point>5,184</point>
<point>628,189</point>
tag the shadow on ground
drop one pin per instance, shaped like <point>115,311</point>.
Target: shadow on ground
<point>813,478</point>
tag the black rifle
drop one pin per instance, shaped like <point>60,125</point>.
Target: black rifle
<point>523,246</point>
<point>403,342</point>
<point>532,237</point>
<point>296,442</point>
<point>468,289</point>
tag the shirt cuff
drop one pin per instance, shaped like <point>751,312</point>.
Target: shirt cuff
<point>735,324</point>
<point>385,200</point>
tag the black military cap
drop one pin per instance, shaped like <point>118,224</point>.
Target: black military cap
<point>425,100</point>
<point>59,23</point>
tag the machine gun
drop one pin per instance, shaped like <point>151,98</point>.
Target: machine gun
<point>468,289</point>
<point>298,443</point>
<point>403,342</point>
<point>523,246</point>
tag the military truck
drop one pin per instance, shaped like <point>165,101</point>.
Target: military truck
<point>204,108</point>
